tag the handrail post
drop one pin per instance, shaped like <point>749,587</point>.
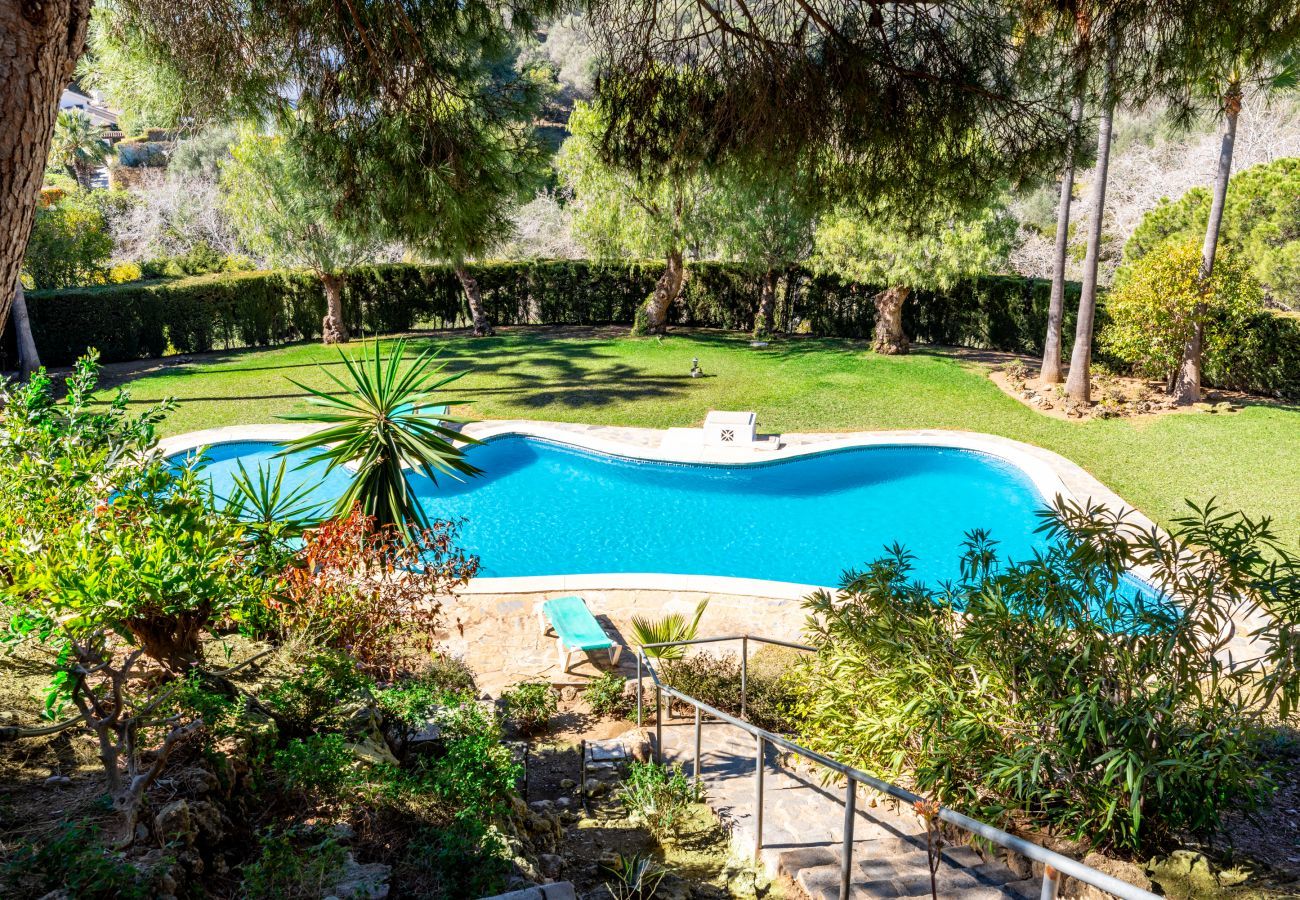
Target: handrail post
<point>1051,883</point>
<point>640,689</point>
<point>846,860</point>
<point>759,765</point>
<point>697,745</point>
<point>744,676</point>
<point>659,725</point>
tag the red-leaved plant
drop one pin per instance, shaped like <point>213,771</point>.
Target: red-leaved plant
<point>372,592</point>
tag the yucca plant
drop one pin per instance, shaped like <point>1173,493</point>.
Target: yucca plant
<point>378,424</point>
<point>636,877</point>
<point>672,627</point>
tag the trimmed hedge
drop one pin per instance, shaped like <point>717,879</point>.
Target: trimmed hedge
<point>222,311</point>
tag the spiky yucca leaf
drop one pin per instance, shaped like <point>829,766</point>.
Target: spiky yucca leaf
<point>377,425</point>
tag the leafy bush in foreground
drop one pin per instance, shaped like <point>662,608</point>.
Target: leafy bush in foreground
<point>1052,690</point>
<point>530,705</point>
<point>657,795</point>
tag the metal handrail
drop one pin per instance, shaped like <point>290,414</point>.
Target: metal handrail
<point>1055,864</point>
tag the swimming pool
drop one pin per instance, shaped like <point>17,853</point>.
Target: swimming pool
<point>545,508</point>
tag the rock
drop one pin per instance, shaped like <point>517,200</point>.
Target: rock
<point>373,750</point>
<point>568,784</point>
<point>342,832</point>
<point>368,881</point>
<point>568,693</point>
<point>541,806</point>
<point>564,802</point>
<point>58,781</point>
<point>595,788</point>
<point>187,822</point>
<point>551,864</point>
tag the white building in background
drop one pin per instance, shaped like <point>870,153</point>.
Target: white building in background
<point>99,114</point>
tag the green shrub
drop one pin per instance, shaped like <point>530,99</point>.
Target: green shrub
<point>70,245</point>
<point>529,706</point>
<point>1051,689</point>
<point>446,682</point>
<point>466,859</point>
<point>771,686</point>
<point>1153,309</point>
<point>657,796</point>
<point>72,862</point>
<point>475,777</point>
<point>605,695</point>
<point>286,870</point>
<point>311,697</point>
<point>320,765</point>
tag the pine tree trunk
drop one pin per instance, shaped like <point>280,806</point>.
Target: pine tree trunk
<point>334,329</point>
<point>889,337</point>
<point>1079,383</point>
<point>29,360</point>
<point>40,43</point>
<point>763,322</point>
<point>1186,386</point>
<point>653,317</point>
<point>1050,373</point>
<point>474,298</point>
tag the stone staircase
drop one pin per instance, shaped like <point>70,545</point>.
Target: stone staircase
<point>803,824</point>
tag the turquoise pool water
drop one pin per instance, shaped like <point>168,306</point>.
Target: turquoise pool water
<point>543,508</point>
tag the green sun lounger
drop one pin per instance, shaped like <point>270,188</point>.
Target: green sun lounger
<point>576,629</point>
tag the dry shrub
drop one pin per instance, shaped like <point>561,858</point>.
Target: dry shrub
<point>372,593</point>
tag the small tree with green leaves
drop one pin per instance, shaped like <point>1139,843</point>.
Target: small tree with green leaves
<point>934,250</point>
<point>620,214</point>
<point>284,214</point>
<point>1163,298</point>
<point>766,225</point>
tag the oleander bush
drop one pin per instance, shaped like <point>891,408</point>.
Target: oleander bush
<point>1054,692</point>
<point>771,684</point>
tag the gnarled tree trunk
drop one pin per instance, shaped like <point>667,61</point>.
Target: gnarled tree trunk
<point>474,298</point>
<point>1079,383</point>
<point>890,337</point>
<point>40,42</point>
<point>653,317</point>
<point>334,329</point>
<point>29,360</point>
<point>1186,386</point>
<point>763,322</point>
<point>1050,372</point>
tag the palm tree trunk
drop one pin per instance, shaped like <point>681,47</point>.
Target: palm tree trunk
<point>1079,383</point>
<point>474,299</point>
<point>28,359</point>
<point>653,317</point>
<point>763,322</point>
<point>1186,386</point>
<point>334,329</point>
<point>40,47</point>
<point>1050,373</point>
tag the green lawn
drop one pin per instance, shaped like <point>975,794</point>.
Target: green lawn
<point>1249,460</point>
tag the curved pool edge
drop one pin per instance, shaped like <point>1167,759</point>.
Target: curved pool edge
<point>1051,474</point>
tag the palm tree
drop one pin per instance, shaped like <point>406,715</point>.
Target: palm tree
<point>79,145</point>
<point>1079,383</point>
<point>379,425</point>
<point>1270,74</point>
